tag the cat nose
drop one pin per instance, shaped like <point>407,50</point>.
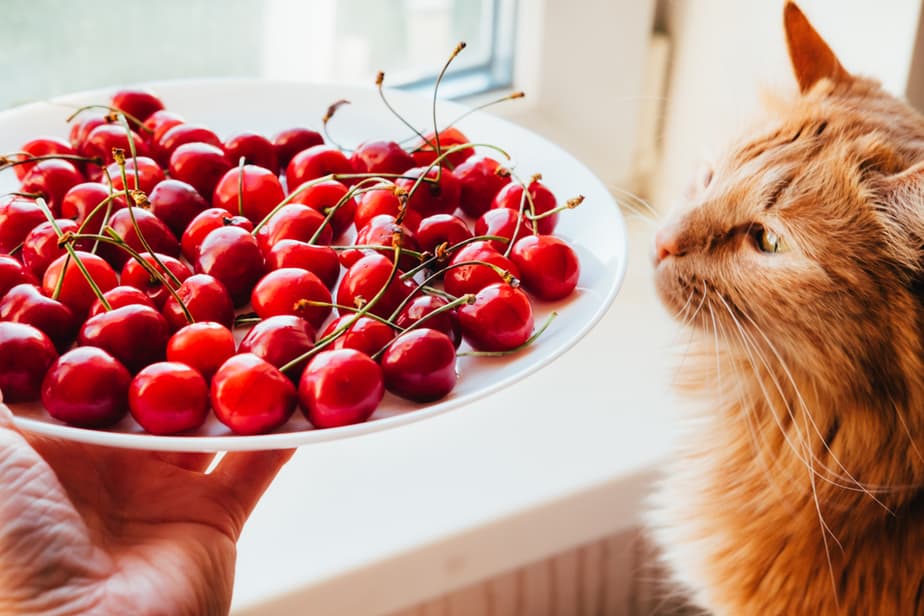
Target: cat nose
<point>666,244</point>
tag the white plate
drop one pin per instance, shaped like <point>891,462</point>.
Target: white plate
<point>596,230</point>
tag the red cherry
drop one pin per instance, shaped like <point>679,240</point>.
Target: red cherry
<point>86,387</point>
<point>421,306</point>
<point>203,346</point>
<point>480,179</point>
<point>549,267</point>
<point>168,398</point>
<point>380,231</point>
<point>200,165</point>
<point>322,261</point>
<point>501,318</point>
<point>326,195</point>
<point>291,141</point>
<point>340,388</point>
<point>181,134</point>
<point>384,201</point>
<point>52,179</point>
<point>102,140</point>
<point>80,201</point>
<point>18,216</point>
<point>348,258</point>
<point>542,198</point>
<point>315,162</point>
<point>117,297</point>
<point>25,355</point>
<point>204,223</point>
<point>503,223</point>
<point>176,203</point>
<point>205,298</point>
<point>366,334</point>
<point>40,247</point>
<point>420,365</point>
<point>250,396</point>
<point>425,154</point>
<point>76,292</point>
<point>25,303</point>
<point>134,275</point>
<point>439,229</point>
<point>136,102</point>
<point>82,128</point>
<point>366,278</point>
<point>254,197</point>
<point>385,157</point>
<point>12,273</point>
<point>136,335</point>
<point>285,291</point>
<point>280,340</point>
<point>429,197</point>
<point>256,150</point>
<point>155,232</point>
<point>43,146</point>
<point>294,222</point>
<point>159,123</point>
<point>232,255</point>
<point>149,172</point>
<point>472,278</point>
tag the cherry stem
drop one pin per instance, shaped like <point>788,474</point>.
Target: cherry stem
<point>379,80</point>
<point>8,162</point>
<point>515,349</point>
<point>240,186</point>
<point>436,87</point>
<point>441,254</point>
<point>468,298</point>
<point>378,247</point>
<point>113,111</point>
<point>438,293</point>
<point>331,211</point>
<point>569,205</point>
<point>72,254</point>
<point>520,214</point>
<point>342,307</point>
<point>105,202</point>
<point>462,116</point>
<point>131,148</point>
<point>327,118</point>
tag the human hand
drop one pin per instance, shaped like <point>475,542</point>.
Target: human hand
<point>95,530</point>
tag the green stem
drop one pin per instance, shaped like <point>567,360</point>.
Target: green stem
<point>437,257</point>
<point>468,298</point>
<point>113,110</point>
<point>515,349</point>
<point>96,160</point>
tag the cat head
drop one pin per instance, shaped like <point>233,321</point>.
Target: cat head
<point>807,233</point>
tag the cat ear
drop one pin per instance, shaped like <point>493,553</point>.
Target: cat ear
<point>812,59</point>
<point>901,194</point>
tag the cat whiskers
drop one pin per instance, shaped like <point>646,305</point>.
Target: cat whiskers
<point>637,206</point>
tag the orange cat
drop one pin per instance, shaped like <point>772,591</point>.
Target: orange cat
<point>799,262</point>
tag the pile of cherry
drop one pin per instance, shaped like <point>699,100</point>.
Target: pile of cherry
<point>133,250</point>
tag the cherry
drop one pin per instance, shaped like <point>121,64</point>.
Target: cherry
<point>155,232</point>
<point>380,231</point>
<point>136,102</point>
<point>199,164</point>
<point>204,223</point>
<point>441,229</point>
<point>340,388</point>
<point>383,201</point>
<point>176,203</point>
<point>86,387</point>
<point>322,261</point>
<point>480,179</point>
<point>12,273</point>
<point>500,319</point>
<point>40,247</point>
<point>203,346</point>
<point>103,139</point>
<point>285,291</point>
<point>384,157</point>
<point>205,298</point>
<point>122,295</point>
<point>149,172</point>
<point>82,128</point>
<point>291,141</point>
<point>325,195</point>
<point>25,303</point>
<point>366,278</point>
<point>251,396</point>
<point>180,134</point>
<point>76,293</point>
<point>425,154</point>
<point>430,197</point>
<point>168,398</point>
<point>134,275</point>
<point>315,162</point>
<point>420,365</point>
<point>253,196</point>
<point>279,340</point>
<point>543,200</point>
<point>472,278</point>
<point>421,306</point>
<point>294,221</point>
<point>80,201</point>
<point>549,267</point>
<point>18,216</point>
<point>25,355</point>
<point>232,255</point>
<point>52,179</point>
<point>134,334</point>
<point>365,334</point>
<point>256,150</point>
<point>503,223</point>
<point>43,146</point>
<point>159,123</point>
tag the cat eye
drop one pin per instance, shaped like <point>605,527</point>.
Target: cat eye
<point>768,241</point>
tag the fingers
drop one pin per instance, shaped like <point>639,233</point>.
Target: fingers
<point>195,462</point>
<point>245,476</point>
